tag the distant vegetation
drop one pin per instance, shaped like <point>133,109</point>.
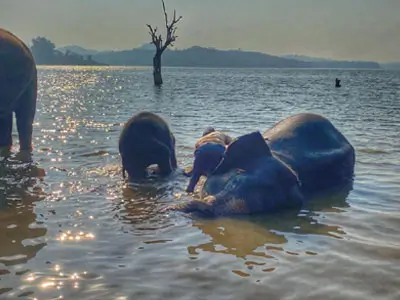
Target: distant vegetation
<point>209,57</point>
<point>391,66</point>
<point>330,63</point>
<point>45,53</point>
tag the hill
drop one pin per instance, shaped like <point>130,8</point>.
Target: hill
<point>319,62</point>
<point>305,58</point>
<point>45,53</point>
<point>391,66</point>
<point>197,56</point>
<point>77,50</point>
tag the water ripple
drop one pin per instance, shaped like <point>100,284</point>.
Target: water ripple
<point>71,229</point>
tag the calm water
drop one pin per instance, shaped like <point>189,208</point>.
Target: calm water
<point>79,233</point>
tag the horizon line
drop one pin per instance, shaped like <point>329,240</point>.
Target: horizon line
<point>231,49</point>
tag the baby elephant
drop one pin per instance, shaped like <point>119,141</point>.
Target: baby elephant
<point>208,153</point>
<point>18,91</point>
<point>146,140</point>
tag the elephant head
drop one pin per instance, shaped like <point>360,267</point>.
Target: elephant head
<point>146,140</point>
<point>206,159</point>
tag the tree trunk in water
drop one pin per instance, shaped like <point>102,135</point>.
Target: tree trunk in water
<point>157,69</point>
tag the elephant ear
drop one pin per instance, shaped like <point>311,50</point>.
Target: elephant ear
<point>243,152</point>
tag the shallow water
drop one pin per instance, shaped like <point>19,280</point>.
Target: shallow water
<point>79,233</point>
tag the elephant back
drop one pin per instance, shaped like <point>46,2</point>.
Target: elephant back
<point>17,69</point>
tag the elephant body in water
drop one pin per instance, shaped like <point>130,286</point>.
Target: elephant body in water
<point>319,153</point>
<point>295,159</point>
<point>18,91</point>
<point>145,140</point>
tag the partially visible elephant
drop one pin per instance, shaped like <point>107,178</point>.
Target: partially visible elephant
<point>295,159</point>
<point>319,153</point>
<point>146,139</point>
<point>209,150</point>
<point>18,91</point>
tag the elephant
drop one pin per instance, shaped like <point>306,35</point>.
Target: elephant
<point>321,155</point>
<point>209,150</point>
<point>146,139</point>
<point>278,170</point>
<point>18,91</point>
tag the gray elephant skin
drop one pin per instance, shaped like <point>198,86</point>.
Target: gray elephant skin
<point>145,140</point>
<point>18,90</point>
<point>297,158</point>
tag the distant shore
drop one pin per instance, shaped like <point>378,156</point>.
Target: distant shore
<point>209,57</point>
<point>209,67</point>
<point>194,57</point>
<point>71,64</point>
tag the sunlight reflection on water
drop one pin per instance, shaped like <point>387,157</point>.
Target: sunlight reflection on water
<point>80,233</point>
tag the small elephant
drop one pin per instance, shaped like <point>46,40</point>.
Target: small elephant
<point>208,153</point>
<point>18,91</point>
<point>146,139</point>
<point>295,159</point>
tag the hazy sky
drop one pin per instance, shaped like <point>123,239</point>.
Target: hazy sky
<point>341,29</point>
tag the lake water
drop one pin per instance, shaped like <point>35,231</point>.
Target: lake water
<point>79,233</point>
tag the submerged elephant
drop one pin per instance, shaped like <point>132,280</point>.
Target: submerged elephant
<point>18,91</point>
<point>295,159</point>
<point>146,139</point>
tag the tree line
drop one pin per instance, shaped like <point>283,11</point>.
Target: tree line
<point>45,53</point>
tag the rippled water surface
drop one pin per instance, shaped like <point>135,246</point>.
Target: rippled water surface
<point>79,233</point>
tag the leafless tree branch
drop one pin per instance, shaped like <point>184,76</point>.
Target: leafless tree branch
<point>171,31</point>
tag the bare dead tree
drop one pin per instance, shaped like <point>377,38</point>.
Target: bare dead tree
<point>161,45</point>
